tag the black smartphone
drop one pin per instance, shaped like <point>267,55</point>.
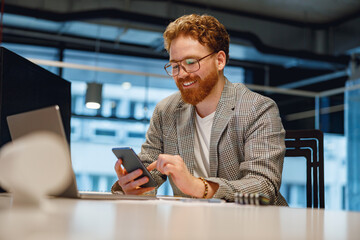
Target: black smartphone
<point>131,162</point>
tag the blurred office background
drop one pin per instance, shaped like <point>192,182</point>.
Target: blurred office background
<point>302,54</point>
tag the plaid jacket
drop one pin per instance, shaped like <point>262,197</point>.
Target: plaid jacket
<point>246,146</point>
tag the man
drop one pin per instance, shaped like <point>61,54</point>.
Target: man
<point>213,138</point>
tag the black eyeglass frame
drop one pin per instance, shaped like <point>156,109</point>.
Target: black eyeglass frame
<point>179,63</point>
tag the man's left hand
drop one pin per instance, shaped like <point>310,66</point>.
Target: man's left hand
<point>175,166</point>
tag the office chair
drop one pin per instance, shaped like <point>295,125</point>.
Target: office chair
<point>309,144</point>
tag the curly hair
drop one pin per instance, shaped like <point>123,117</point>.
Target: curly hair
<point>206,29</point>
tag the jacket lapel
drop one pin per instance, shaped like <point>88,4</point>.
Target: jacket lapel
<point>224,111</point>
<point>185,131</point>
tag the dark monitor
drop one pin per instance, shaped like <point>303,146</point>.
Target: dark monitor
<point>25,86</point>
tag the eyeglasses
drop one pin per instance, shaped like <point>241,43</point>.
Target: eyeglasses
<point>189,65</point>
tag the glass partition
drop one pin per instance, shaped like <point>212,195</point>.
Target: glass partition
<point>352,132</point>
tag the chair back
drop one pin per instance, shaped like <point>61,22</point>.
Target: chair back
<point>309,144</point>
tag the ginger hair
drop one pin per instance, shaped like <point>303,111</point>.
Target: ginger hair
<point>203,28</point>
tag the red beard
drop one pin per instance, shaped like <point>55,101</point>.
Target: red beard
<point>195,95</point>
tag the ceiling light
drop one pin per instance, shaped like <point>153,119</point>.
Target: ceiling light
<point>126,85</point>
<point>93,95</point>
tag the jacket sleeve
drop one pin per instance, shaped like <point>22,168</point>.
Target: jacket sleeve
<point>263,155</point>
<point>154,146</point>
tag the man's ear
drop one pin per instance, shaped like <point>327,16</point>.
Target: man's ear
<point>221,60</point>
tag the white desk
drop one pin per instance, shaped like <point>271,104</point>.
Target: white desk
<point>120,219</point>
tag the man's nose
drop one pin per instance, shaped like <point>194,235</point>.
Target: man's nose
<point>182,72</point>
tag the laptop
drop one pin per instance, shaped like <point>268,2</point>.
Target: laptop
<point>49,119</point>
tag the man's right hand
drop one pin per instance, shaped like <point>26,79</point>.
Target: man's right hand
<point>127,180</point>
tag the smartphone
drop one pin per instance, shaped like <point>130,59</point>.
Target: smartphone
<point>131,162</point>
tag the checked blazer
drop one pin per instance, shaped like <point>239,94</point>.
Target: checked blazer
<point>246,146</point>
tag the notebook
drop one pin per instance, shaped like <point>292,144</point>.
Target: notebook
<point>49,119</point>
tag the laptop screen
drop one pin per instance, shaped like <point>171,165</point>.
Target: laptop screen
<point>44,119</point>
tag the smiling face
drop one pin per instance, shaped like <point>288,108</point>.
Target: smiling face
<point>197,86</point>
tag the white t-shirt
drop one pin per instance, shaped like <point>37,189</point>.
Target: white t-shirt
<point>202,145</point>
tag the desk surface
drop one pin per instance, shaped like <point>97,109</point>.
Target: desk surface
<point>164,219</point>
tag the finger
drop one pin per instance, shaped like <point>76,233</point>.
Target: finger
<point>122,167</point>
<point>168,169</point>
<point>164,161</point>
<point>159,166</point>
<point>118,169</point>
<point>158,162</point>
<point>135,184</point>
<point>161,161</point>
<point>152,166</point>
<point>125,179</point>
